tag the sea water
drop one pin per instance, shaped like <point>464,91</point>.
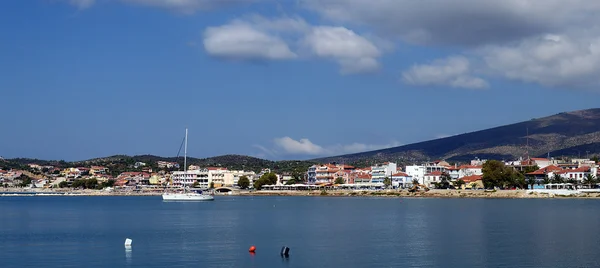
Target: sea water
<point>62,231</point>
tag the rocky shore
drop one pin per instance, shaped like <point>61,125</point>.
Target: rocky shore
<point>330,193</point>
<point>429,194</point>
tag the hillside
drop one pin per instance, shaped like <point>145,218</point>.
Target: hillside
<point>120,163</point>
<point>564,134</point>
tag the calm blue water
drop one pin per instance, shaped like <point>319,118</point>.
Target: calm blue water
<point>321,232</point>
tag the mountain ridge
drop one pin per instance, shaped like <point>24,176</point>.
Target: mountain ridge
<point>559,134</point>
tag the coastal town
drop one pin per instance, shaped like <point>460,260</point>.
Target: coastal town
<point>526,173</point>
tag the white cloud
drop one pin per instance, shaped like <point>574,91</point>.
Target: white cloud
<point>452,71</point>
<point>302,146</point>
<point>255,37</point>
<point>462,22</point>
<point>551,60</point>
<point>243,41</point>
<point>354,53</point>
<point>287,145</point>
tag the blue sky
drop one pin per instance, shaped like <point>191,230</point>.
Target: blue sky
<point>282,79</point>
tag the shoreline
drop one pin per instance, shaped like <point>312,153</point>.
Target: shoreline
<point>435,193</point>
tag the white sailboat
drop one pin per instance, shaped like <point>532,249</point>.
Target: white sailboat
<point>185,195</point>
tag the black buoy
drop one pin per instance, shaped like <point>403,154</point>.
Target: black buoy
<point>285,251</point>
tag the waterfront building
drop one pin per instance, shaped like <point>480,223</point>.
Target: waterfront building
<point>188,178</point>
<point>311,174</point>
<point>473,182</point>
<point>419,171</point>
<point>401,180</point>
<point>469,170</point>
<point>380,171</point>
<point>432,177</point>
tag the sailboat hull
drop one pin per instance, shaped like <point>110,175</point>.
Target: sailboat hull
<point>187,197</point>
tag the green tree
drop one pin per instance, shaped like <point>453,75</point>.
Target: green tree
<point>243,182</point>
<point>518,179</point>
<point>212,185</point>
<point>531,181</point>
<point>269,178</point>
<point>265,179</point>
<point>445,181</point>
<point>63,184</point>
<point>25,180</point>
<point>528,169</point>
<point>459,183</point>
<point>558,179</point>
<point>546,180</point>
<point>589,180</point>
<point>415,182</point>
<point>195,184</point>
<point>340,180</point>
<point>108,183</point>
<point>494,174</point>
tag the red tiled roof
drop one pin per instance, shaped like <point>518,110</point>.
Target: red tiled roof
<point>469,166</point>
<point>435,173</point>
<point>546,170</point>
<point>539,159</point>
<point>216,168</point>
<point>400,174</point>
<point>581,169</point>
<point>472,178</point>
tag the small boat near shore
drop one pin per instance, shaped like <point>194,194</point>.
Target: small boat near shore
<point>187,196</point>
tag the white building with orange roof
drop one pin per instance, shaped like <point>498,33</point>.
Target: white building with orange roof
<point>469,170</point>
<point>430,178</point>
<point>578,173</point>
<point>401,179</point>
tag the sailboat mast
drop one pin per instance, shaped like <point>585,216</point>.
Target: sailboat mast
<point>185,152</point>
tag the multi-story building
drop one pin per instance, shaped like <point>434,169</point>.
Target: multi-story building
<point>326,173</point>
<point>419,172</point>
<point>311,175</point>
<point>188,178</point>
<point>380,171</point>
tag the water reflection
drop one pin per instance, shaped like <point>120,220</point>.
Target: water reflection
<point>128,254</point>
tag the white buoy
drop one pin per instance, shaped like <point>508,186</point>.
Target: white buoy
<point>128,242</point>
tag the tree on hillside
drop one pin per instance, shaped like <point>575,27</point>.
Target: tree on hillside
<point>25,180</point>
<point>340,180</point>
<point>243,182</point>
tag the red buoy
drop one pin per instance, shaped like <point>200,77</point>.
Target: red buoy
<point>252,249</point>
